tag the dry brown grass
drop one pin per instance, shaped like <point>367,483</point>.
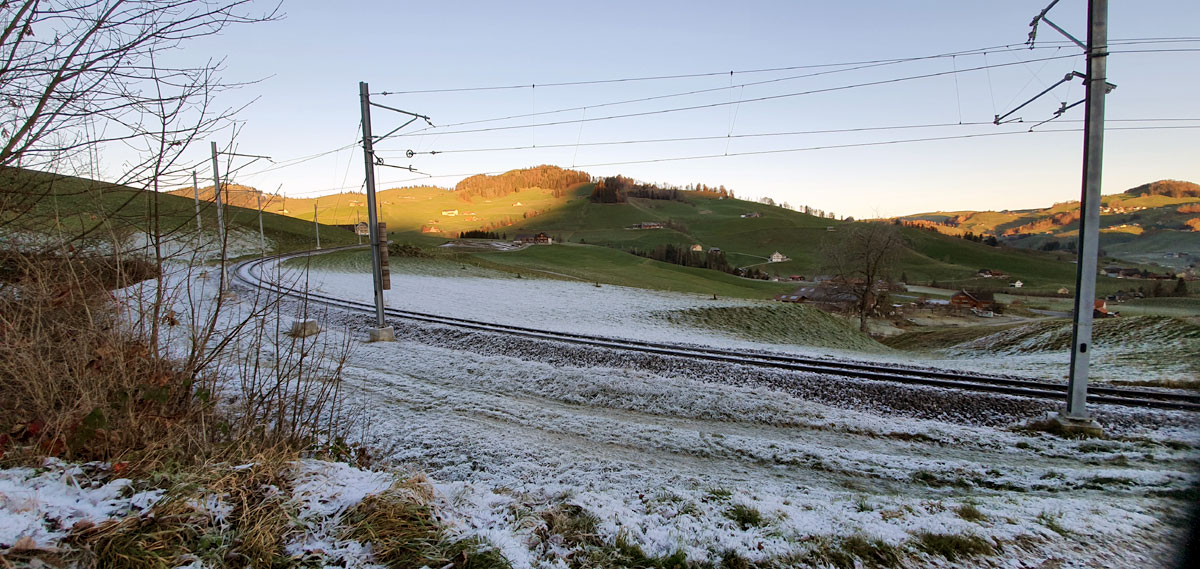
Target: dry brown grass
<point>85,377</point>
<point>403,532</point>
<point>162,539</point>
<point>260,517</point>
<point>73,382</point>
<point>178,529</point>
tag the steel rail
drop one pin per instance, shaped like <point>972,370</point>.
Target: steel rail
<point>960,380</point>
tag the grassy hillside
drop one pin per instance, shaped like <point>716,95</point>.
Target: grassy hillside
<point>427,216</point>
<point>78,206</point>
<point>702,219</point>
<point>954,263</point>
<point>1139,225</point>
<point>713,222</point>
<point>491,202</point>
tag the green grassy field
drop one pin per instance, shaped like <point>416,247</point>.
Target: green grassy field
<point>940,338</point>
<point>571,262</point>
<point>608,266</point>
<point>1180,307</point>
<point>782,323</point>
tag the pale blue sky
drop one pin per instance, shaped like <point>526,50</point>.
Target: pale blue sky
<point>311,62</point>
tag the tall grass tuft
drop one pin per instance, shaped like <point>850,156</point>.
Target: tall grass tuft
<point>93,367</point>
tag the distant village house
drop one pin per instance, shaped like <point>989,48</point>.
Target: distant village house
<point>533,239</point>
<point>975,300</point>
<point>830,294</point>
<point>778,257</point>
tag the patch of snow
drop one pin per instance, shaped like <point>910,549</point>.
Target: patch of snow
<point>44,503</point>
<point>324,491</point>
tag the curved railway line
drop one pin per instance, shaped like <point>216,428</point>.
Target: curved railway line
<point>247,274</point>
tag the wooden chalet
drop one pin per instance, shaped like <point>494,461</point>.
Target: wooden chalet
<point>977,300</point>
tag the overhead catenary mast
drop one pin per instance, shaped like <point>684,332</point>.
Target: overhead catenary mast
<point>381,332</point>
<point>377,236</point>
<point>1089,222</point>
<point>1075,416</point>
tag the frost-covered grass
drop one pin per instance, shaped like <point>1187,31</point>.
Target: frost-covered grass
<point>1137,349</point>
<point>778,323</point>
<point>930,338</point>
<point>553,457</point>
<point>676,466</point>
<point>267,513</point>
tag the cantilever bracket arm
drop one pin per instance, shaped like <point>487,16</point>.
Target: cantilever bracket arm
<point>395,130</point>
<point>1041,17</point>
<point>1065,78</point>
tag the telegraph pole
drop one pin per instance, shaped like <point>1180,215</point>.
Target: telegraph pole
<point>316,226</point>
<point>262,237</point>
<point>380,333</point>
<point>196,194</point>
<point>1089,223</point>
<point>220,213</point>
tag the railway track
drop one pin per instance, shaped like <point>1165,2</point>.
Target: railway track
<point>247,274</point>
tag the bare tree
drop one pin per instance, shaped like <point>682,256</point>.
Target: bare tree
<point>862,257</point>
<point>79,77</point>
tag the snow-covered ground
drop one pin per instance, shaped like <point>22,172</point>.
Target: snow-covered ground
<point>582,307</point>
<point>39,506</point>
<point>662,455</point>
<point>661,451</point>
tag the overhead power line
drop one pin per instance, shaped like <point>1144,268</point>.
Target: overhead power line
<point>812,148</point>
<point>857,66</point>
<point>741,101</point>
<point>700,138</point>
<point>767,97</point>
<point>750,135</point>
<point>1015,47</point>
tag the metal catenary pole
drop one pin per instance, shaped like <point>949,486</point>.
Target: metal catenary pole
<point>262,236</point>
<point>220,212</point>
<point>316,226</point>
<point>372,216</point>
<point>1089,223</point>
<point>196,195</point>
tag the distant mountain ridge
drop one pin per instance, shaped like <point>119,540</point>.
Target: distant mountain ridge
<point>1171,188</point>
<point>1155,222</point>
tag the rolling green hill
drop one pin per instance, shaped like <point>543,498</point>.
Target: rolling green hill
<point>747,232</point>
<point>1150,224</point>
<point>713,222</point>
<point>78,206</point>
